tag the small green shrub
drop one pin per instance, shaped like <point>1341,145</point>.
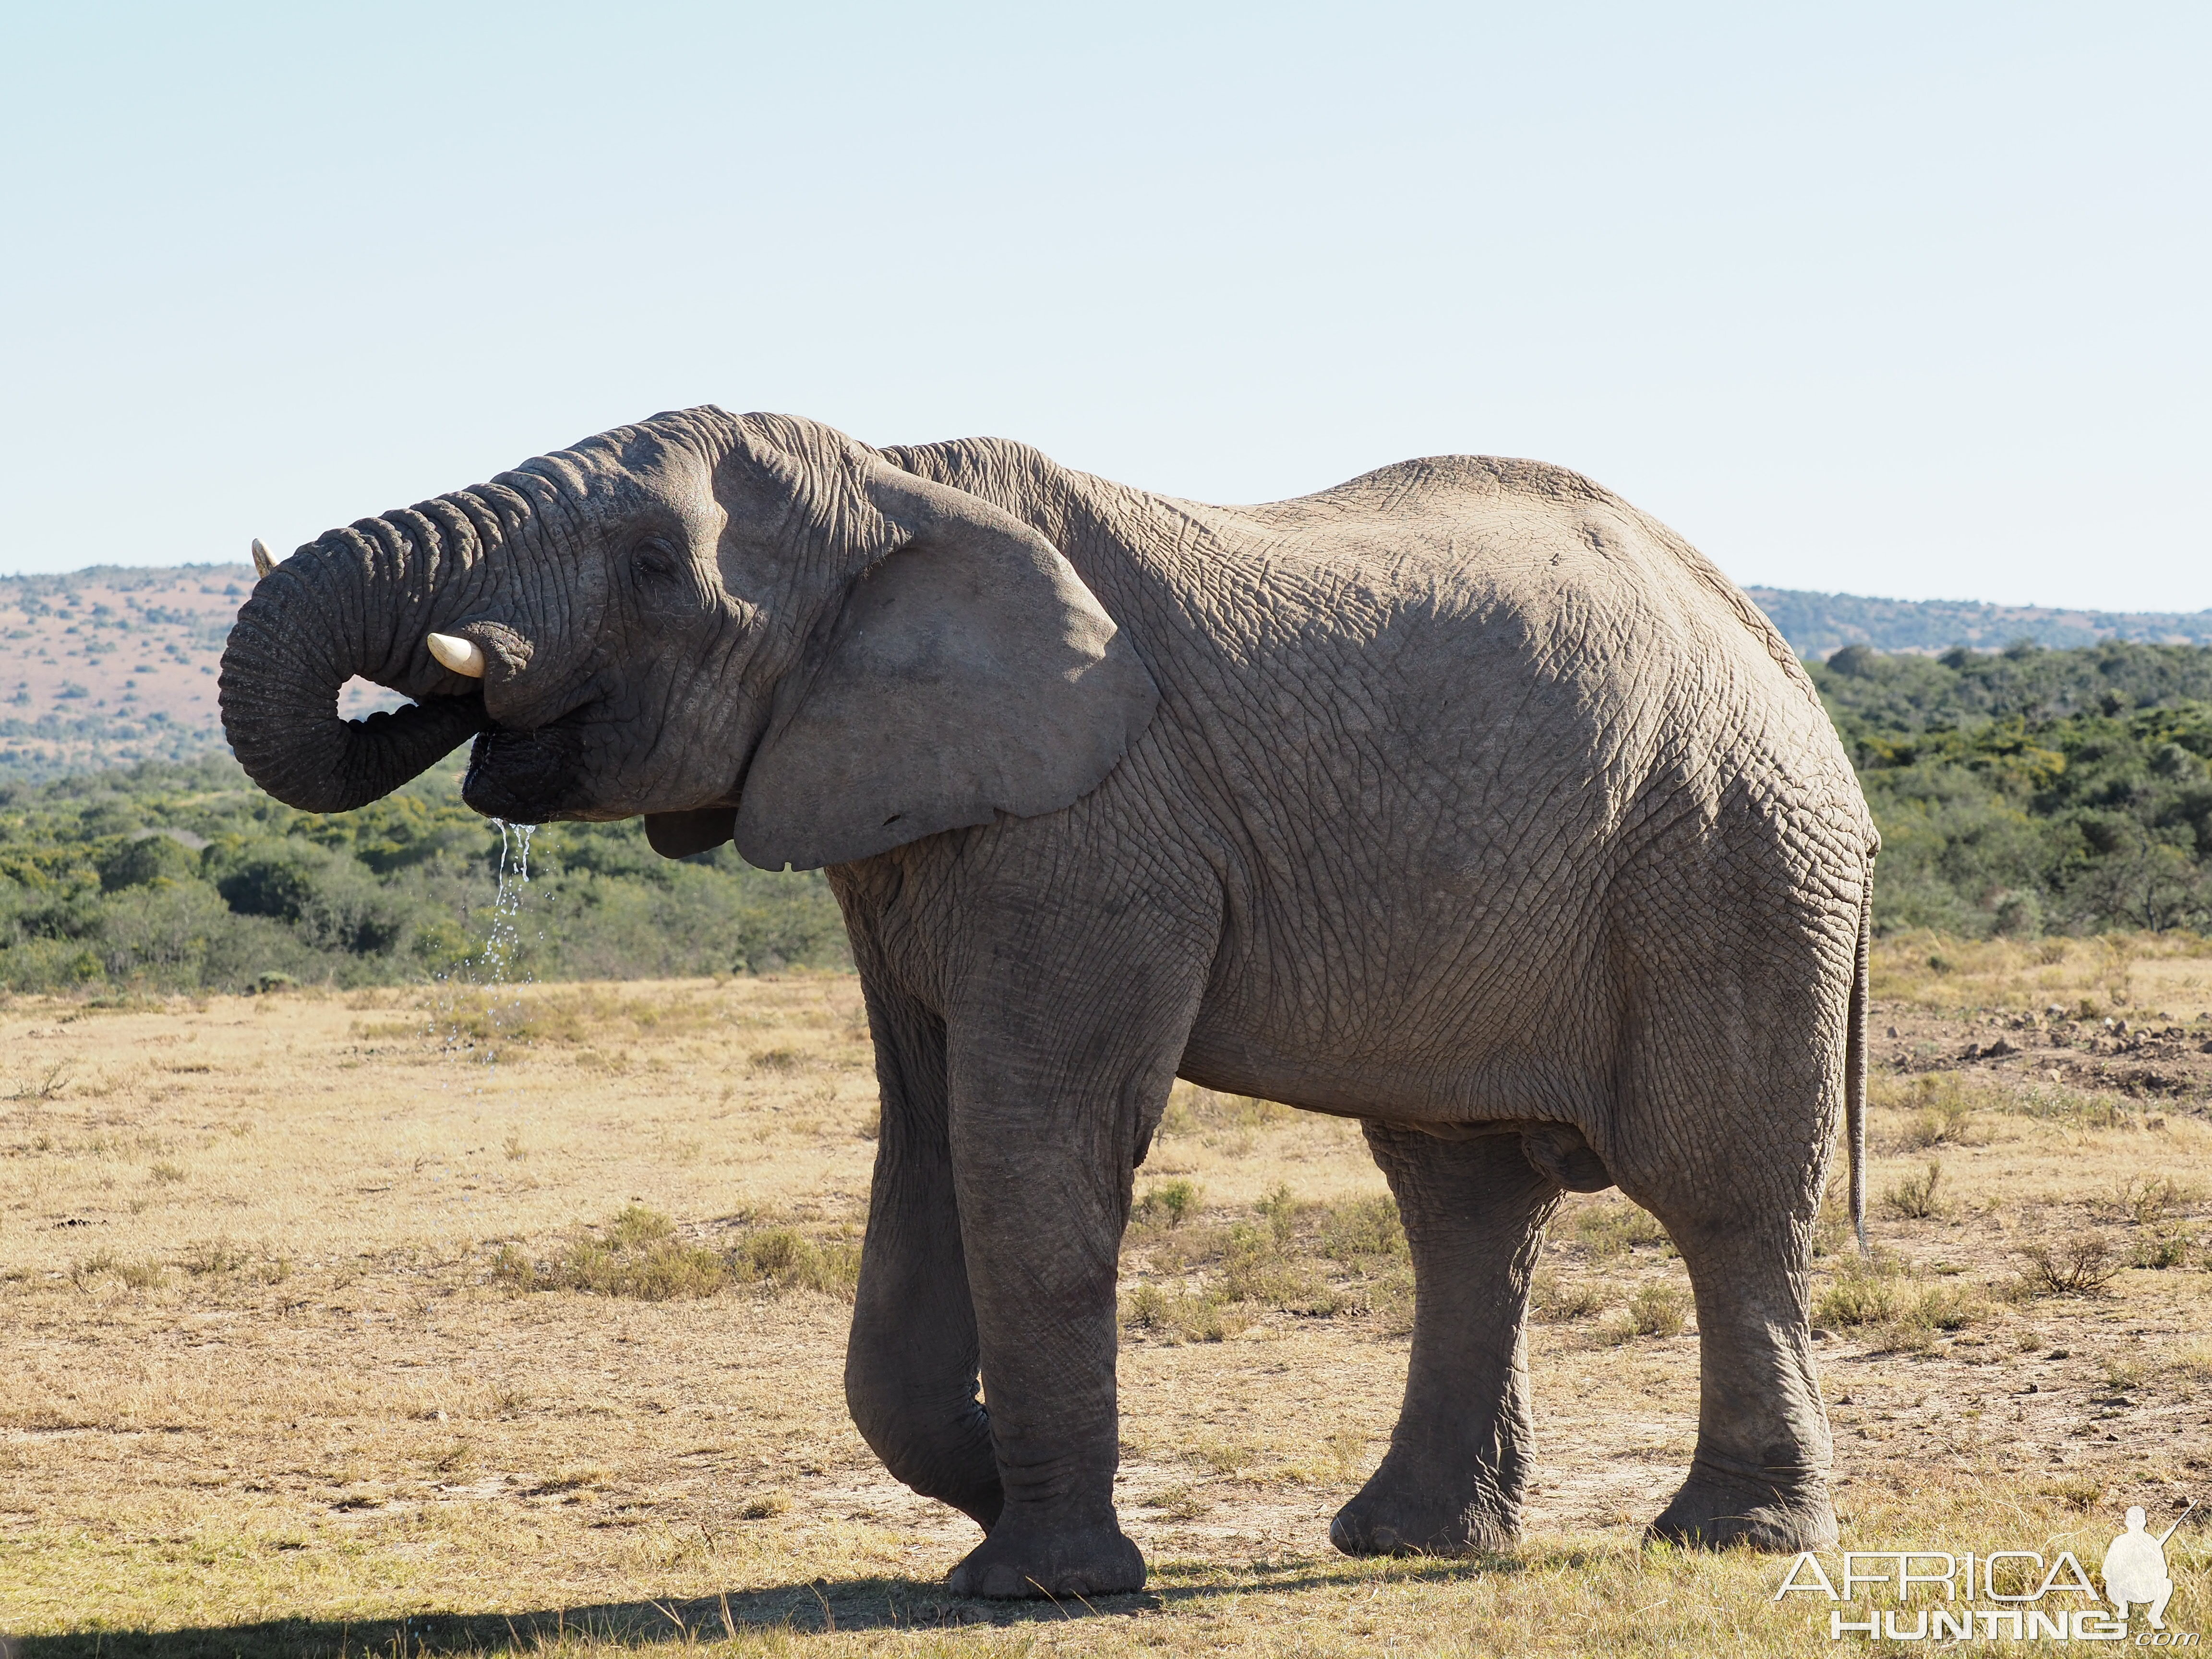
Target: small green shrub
<point>2123,1372</point>
<point>1184,1316</point>
<point>1947,1308</point>
<point>1919,1317</point>
<point>1943,1112</point>
<point>1224,1457</point>
<point>637,1228</point>
<point>213,1256</point>
<point>661,1273</point>
<point>1556,1302</point>
<point>1658,1310</point>
<point>1171,1203</point>
<point>1858,1296</point>
<point>1362,1227</point>
<point>1612,1226</point>
<point>639,1257</point>
<point>1253,1268</point>
<point>2145,1199</point>
<point>1914,1198</point>
<point>1281,1211</point>
<point>2164,1247</point>
<point>786,1258</point>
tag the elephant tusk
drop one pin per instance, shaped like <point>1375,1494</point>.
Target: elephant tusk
<point>462,656</point>
<point>262,564</point>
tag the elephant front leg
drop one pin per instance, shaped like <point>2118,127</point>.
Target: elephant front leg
<point>910,1369</point>
<point>1458,1465</point>
<point>1042,1227</point>
<point>1044,1136</point>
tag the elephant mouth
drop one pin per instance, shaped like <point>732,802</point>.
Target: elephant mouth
<point>566,769</point>
<point>531,777</point>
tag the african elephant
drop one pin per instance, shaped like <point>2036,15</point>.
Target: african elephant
<point>1462,800</point>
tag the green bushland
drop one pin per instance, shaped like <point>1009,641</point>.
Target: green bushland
<point>2018,793</point>
<point>2029,791</point>
<point>186,878</point>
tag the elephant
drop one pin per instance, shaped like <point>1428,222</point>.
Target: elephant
<point>1462,800</point>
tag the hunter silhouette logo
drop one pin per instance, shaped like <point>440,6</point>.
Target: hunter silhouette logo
<point>2135,1568</point>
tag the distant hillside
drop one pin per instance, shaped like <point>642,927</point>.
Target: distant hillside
<point>113,665</point>
<point>1818,623</point>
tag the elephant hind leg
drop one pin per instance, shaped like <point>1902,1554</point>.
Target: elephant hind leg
<point>1759,1476</point>
<point>1454,1479</point>
<point>1735,945</point>
<point>1740,1198</point>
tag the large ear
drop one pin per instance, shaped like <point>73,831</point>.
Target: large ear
<point>969,673</point>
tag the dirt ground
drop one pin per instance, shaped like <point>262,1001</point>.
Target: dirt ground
<point>426,1320</point>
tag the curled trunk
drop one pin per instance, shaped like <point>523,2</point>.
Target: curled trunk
<point>360,601</point>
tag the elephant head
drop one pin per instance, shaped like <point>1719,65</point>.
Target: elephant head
<point>746,627</point>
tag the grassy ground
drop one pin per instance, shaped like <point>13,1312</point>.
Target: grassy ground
<point>371,1322</point>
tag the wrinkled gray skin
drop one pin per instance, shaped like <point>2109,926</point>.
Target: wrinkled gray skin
<point>1463,798</point>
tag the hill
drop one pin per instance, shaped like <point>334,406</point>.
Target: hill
<point>1816,624</point>
<point>113,665</point>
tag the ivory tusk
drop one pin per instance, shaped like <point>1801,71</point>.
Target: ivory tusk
<point>262,564</point>
<point>462,656</point>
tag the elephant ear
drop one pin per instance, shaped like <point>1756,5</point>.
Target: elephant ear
<point>969,672</point>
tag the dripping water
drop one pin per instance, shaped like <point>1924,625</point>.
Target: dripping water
<point>479,1009</point>
<point>505,940</point>
<point>483,1000</point>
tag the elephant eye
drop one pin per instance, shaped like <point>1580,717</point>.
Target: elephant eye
<point>654,556</point>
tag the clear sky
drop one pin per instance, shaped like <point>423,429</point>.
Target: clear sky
<point>1906,300</point>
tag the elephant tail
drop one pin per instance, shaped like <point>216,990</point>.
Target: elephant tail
<point>1855,1063</point>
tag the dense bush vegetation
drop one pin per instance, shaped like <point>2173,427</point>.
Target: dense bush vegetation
<point>187,877</point>
<point>2031,790</point>
<point>2018,793</point>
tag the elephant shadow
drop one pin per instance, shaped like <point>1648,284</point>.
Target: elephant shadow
<point>815,1608</point>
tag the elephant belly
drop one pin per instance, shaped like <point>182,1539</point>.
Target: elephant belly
<point>1426,1058</point>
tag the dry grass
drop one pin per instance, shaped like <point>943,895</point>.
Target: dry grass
<point>2119,974</point>
<point>521,1317</point>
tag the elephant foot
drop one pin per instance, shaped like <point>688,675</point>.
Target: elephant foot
<point>1715,1511</point>
<point>1017,1561</point>
<point>1393,1520</point>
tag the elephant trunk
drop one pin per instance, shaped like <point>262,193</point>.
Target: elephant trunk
<point>360,600</point>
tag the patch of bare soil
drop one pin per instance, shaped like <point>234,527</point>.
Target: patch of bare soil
<point>2146,1059</point>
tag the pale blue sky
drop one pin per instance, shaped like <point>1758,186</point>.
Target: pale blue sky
<point>1890,298</point>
